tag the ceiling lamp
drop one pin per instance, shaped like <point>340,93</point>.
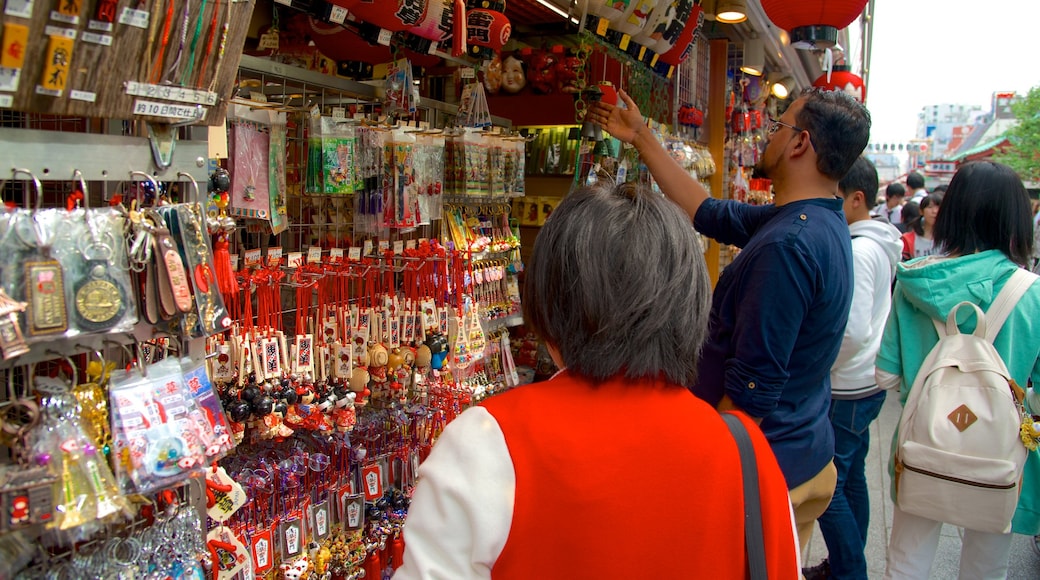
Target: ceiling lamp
<point>841,79</point>
<point>731,11</point>
<point>782,88</point>
<point>754,57</point>
<point>812,23</point>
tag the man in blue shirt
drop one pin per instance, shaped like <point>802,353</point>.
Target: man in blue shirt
<point>779,310</point>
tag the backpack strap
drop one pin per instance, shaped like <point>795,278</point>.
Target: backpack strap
<point>1005,302</point>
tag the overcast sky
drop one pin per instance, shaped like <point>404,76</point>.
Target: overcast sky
<point>929,52</point>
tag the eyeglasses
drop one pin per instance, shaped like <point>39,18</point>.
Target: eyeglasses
<point>775,124</point>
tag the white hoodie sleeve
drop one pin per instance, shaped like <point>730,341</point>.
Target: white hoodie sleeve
<point>462,508</point>
<point>886,380</point>
<point>858,336</point>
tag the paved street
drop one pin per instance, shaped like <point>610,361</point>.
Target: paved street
<point>1025,561</point>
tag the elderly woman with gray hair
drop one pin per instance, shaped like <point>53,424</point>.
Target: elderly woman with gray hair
<point>612,468</point>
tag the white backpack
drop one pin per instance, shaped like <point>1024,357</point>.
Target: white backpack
<point>960,457</point>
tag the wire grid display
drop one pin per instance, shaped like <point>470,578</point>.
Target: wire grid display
<point>691,85</point>
<point>314,219</point>
<point>21,192</point>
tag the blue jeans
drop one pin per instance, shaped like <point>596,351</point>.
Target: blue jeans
<point>844,524</point>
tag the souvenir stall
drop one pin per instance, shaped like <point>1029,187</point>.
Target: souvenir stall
<point>257,254</point>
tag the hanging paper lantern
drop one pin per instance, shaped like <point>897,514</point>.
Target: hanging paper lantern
<point>487,31</point>
<point>341,44</point>
<point>813,23</point>
<point>437,22</point>
<point>681,49</point>
<point>392,15</point>
<point>635,17</point>
<point>841,79</point>
<point>668,22</point>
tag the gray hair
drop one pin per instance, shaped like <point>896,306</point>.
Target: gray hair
<point>618,285</point>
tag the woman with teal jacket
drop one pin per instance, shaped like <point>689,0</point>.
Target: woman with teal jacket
<point>985,233</point>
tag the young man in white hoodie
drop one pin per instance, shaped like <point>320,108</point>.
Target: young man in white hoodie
<point>855,397</point>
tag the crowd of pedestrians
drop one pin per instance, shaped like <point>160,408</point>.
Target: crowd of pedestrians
<point>832,303</point>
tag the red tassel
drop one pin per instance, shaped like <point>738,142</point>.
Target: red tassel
<point>225,275</point>
<point>373,566</point>
<point>397,551</point>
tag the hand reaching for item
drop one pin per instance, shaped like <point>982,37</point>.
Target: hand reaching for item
<point>622,123</point>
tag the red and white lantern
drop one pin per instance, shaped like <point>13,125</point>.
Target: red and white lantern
<point>813,23</point>
<point>841,79</point>
<point>487,31</point>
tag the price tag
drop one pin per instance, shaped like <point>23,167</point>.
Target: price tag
<point>623,45</point>
<point>95,38</point>
<point>65,17</point>
<point>315,112</point>
<point>602,26</point>
<point>384,245</point>
<point>100,26</point>
<point>295,259</point>
<point>84,96</point>
<point>384,37</point>
<point>338,14</point>
<point>336,254</point>
<point>642,53</point>
<point>398,247</point>
<point>234,262</point>
<point>314,255</point>
<point>410,244</point>
<point>339,112</point>
<point>367,248</point>
<point>19,8</point>
<point>467,73</point>
<point>135,18</point>
<point>9,78</point>
<point>6,101</point>
<point>653,61</point>
<point>252,257</point>
<point>354,254</point>
<point>274,256</point>
<point>69,33</point>
<point>268,41</point>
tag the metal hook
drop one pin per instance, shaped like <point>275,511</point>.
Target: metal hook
<point>155,187</point>
<point>129,353</point>
<point>200,113</point>
<point>78,176</point>
<point>194,185</point>
<point>68,359</point>
<point>36,185</point>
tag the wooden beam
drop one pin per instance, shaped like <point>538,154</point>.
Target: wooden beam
<point>719,54</point>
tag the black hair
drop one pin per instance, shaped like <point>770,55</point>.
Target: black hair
<point>617,284</point>
<point>915,180</point>
<point>838,126</point>
<point>862,176</point>
<point>918,222</point>
<point>940,189</point>
<point>986,207</point>
<point>895,189</point>
<point>911,217</point>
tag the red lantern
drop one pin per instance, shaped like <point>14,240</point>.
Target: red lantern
<point>843,80</point>
<point>341,44</point>
<point>338,43</point>
<point>487,31</point>
<point>813,23</point>
<point>679,52</point>
<point>393,15</point>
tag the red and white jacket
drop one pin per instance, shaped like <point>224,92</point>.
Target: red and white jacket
<point>570,479</point>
